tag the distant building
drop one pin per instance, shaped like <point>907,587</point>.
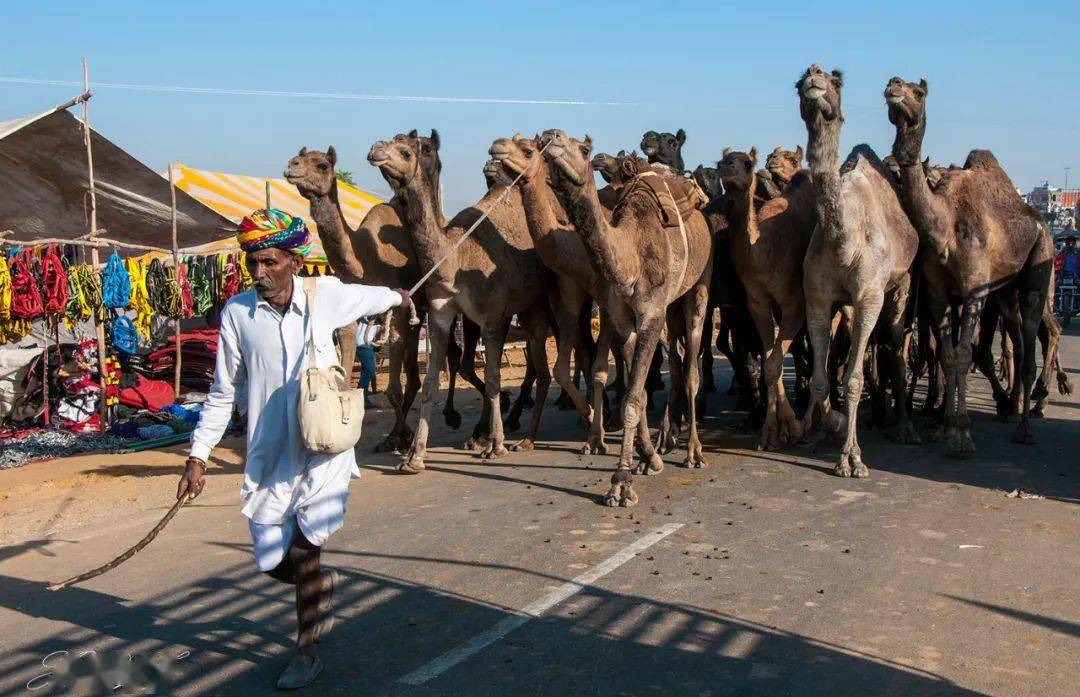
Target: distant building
<point>1057,206</point>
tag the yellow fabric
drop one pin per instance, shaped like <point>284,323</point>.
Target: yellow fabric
<point>76,291</point>
<point>245,277</point>
<point>11,329</point>
<point>140,296</point>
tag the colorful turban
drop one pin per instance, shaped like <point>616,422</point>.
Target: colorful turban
<point>269,227</point>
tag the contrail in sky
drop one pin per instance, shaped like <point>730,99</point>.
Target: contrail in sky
<point>313,95</point>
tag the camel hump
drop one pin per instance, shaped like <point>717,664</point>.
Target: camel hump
<point>864,152</point>
<point>983,159</point>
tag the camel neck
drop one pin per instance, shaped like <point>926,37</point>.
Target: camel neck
<point>539,203</point>
<point>343,248</point>
<point>923,207</point>
<point>823,155</point>
<point>428,237</point>
<point>742,214</point>
<point>610,250</point>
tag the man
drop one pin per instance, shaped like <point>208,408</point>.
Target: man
<point>1066,261</point>
<point>294,499</point>
<point>366,355</point>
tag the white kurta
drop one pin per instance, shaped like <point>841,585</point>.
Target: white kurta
<point>264,353</point>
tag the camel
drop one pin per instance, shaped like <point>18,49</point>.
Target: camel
<point>665,148</point>
<point>378,252</point>
<point>780,166</point>
<point>493,275</point>
<point>657,266</point>
<point>767,251</point>
<point>978,238</point>
<point>861,254</point>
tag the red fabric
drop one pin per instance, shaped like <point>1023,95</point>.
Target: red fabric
<point>230,279</point>
<point>25,295</point>
<point>54,280</point>
<point>154,395</point>
<point>188,300</point>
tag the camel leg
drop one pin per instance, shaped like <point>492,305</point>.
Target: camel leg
<point>440,319</point>
<point>453,365</point>
<point>993,314</point>
<point>1050,336</point>
<point>594,444</point>
<point>667,435</point>
<point>1038,277</point>
<point>780,421</point>
<point>894,315</point>
<point>695,308</point>
<point>819,325</point>
<point>622,485</point>
<point>766,327</point>
<point>537,326</point>
<point>708,381</point>
<point>862,326</point>
<point>346,343</point>
<point>567,317</point>
<point>471,338</point>
<point>494,340</point>
<point>402,349</point>
<point>961,442</point>
<point>1012,330</point>
<point>524,400</point>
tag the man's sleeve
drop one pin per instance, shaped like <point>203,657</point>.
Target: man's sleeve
<point>217,409</point>
<point>354,301</point>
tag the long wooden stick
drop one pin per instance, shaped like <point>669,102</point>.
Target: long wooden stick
<point>94,573</point>
<point>176,270</point>
<point>94,258</point>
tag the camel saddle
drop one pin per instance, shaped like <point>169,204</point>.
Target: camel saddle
<point>685,197</point>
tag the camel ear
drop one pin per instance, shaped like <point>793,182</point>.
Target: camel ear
<point>303,151</point>
<point>838,77</point>
<point>586,146</point>
<point>727,151</point>
<point>925,87</point>
<point>777,150</point>
<point>516,138</point>
<point>435,141</point>
<point>414,133</point>
<point>753,155</point>
<point>680,136</point>
<point>799,154</point>
<point>331,155</point>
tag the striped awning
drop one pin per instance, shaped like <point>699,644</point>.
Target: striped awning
<point>236,195</point>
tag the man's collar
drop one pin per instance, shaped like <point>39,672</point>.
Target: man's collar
<point>298,303</point>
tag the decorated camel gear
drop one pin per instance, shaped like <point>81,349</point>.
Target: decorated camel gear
<point>165,294</point>
<point>25,295</point>
<point>54,281</point>
<point>673,195</point>
<point>230,277</point>
<point>115,284</point>
<point>11,328</point>
<point>186,299</point>
<point>78,309</point>
<point>140,296</point>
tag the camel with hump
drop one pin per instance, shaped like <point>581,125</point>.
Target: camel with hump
<point>658,260</point>
<point>378,252</point>
<point>493,275</point>
<point>980,242</point>
<point>861,254</point>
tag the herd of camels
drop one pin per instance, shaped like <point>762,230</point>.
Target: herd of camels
<point>895,269</point>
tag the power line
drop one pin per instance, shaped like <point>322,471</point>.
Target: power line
<point>313,95</point>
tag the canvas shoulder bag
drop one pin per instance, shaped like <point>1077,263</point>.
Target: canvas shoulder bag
<point>331,414</point>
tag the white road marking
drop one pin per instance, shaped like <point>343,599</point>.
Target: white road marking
<point>535,609</point>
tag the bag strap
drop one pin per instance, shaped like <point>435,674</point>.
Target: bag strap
<point>309,292</point>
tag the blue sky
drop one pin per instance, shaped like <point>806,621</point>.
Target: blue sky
<point>1003,75</point>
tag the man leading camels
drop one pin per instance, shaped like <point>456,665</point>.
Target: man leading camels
<point>294,499</point>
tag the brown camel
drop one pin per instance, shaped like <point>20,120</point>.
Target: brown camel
<point>780,166</point>
<point>665,148</point>
<point>659,261</point>
<point>978,237</point>
<point>861,254</point>
<point>493,275</point>
<point>767,250</point>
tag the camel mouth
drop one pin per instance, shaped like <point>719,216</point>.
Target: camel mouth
<point>894,99</point>
<point>813,92</point>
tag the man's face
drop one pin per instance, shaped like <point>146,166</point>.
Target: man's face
<point>1070,245</point>
<point>272,270</point>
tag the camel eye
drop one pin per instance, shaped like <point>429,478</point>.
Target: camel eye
<point>323,166</point>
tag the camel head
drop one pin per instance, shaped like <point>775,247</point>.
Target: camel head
<point>519,156</point>
<point>906,103</point>
<point>665,148</point>
<point>737,168</point>
<point>405,156</point>
<point>784,164</point>
<point>819,95</point>
<point>708,178</point>
<point>312,172</point>
<point>495,174</point>
<point>934,173</point>
<point>568,157</point>
<point>607,166</point>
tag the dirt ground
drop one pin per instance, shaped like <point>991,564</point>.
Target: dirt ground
<point>763,574</point>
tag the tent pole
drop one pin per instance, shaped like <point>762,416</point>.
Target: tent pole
<point>176,268</point>
<point>45,375</point>
<point>94,258</point>
<point>267,195</point>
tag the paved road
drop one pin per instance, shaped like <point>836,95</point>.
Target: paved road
<point>762,574</point>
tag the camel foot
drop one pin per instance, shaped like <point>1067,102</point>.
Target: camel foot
<point>594,445</point>
<point>770,435</point>
<point>1038,411</point>
<point>452,419</point>
<point>666,438</point>
<point>413,463</point>
<point>493,452</point>
<point>851,465</point>
<point>905,434</point>
<point>651,465</point>
<point>522,446</point>
<point>1023,436</point>
<point>1065,384</point>
<point>477,443</point>
<point>622,491</point>
<point>395,442</point>
<point>695,459</point>
<point>959,442</point>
